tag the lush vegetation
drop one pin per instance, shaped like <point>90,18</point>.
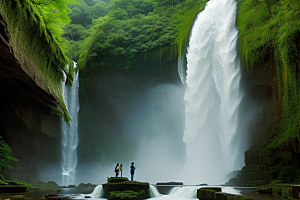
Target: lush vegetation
<point>118,33</point>
<point>35,27</point>
<point>270,28</point>
<point>6,157</point>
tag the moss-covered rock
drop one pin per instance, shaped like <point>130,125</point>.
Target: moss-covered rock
<point>117,179</point>
<point>120,185</point>
<point>38,55</point>
<point>279,189</point>
<point>126,195</point>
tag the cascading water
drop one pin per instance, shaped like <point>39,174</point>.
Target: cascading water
<point>70,132</point>
<point>186,191</point>
<point>98,192</point>
<point>153,192</point>
<point>212,94</point>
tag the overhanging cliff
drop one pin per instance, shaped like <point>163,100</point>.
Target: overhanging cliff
<point>18,78</point>
<point>31,70</point>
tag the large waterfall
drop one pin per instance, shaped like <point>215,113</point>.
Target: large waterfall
<point>70,132</point>
<point>212,94</point>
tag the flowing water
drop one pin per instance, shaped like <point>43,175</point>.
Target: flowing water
<point>70,132</point>
<point>98,192</point>
<point>153,192</point>
<point>212,95</point>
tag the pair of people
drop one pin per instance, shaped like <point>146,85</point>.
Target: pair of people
<point>120,168</point>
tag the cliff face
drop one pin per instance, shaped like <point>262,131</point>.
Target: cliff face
<point>25,104</point>
<point>264,163</point>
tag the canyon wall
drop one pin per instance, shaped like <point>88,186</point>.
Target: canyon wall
<point>25,120</point>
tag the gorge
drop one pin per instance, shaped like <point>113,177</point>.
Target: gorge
<point>132,100</point>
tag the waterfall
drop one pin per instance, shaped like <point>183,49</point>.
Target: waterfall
<point>186,191</point>
<point>153,192</point>
<point>182,70</point>
<point>212,95</point>
<point>70,132</point>
<point>98,192</point>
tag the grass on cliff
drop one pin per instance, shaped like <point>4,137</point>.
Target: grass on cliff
<point>123,180</point>
<point>272,28</point>
<point>185,16</point>
<point>32,39</point>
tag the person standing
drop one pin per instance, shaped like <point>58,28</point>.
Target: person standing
<point>121,169</point>
<point>132,168</point>
<point>117,169</point>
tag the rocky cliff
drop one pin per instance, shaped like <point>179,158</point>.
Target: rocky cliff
<point>25,106</point>
<point>265,163</point>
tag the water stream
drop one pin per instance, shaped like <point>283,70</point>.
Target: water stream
<point>70,132</point>
<point>212,95</point>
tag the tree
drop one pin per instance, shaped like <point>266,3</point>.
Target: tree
<point>6,157</point>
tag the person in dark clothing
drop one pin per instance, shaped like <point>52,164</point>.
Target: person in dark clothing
<point>132,168</point>
<point>117,168</point>
<point>121,169</point>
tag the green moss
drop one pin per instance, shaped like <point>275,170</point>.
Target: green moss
<point>208,190</point>
<point>128,183</point>
<point>117,179</point>
<point>33,39</point>
<point>185,18</point>
<point>270,29</point>
<point>125,195</point>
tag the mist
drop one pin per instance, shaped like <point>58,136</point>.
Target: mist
<point>142,122</point>
<point>155,125</point>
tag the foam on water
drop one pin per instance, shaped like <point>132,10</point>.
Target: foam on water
<point>212,96</point>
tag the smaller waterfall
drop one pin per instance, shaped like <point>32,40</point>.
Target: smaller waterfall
<point>98,192</point>
<point>70,132</point>
<point>153,192</point>
<point>186,191</point>
<point>182,69</point>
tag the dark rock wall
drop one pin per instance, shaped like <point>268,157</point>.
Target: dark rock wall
<point>25,123</point>
<point>35,140</point>
<point>262,163</point>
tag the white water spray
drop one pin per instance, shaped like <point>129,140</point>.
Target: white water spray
<point>98,192</point>
<point>186,191</point>
<point>70,132</point>
<point>212,94</point>
<point>153,192</point>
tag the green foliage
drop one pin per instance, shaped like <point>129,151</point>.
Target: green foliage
<point>127,194</point>
<point>54,14</point>
<point>85,12</point>
<point>117,179</point>
<point>32,30</point>
<point>132,28</point>
<point>6,157</point>
<point>286,173</point>
<point>184,19</point>
<point>271,28</point>
<point>116,42</point>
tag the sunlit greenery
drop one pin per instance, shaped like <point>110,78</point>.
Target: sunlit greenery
<point>35,28</point>
<point>6,157</point>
